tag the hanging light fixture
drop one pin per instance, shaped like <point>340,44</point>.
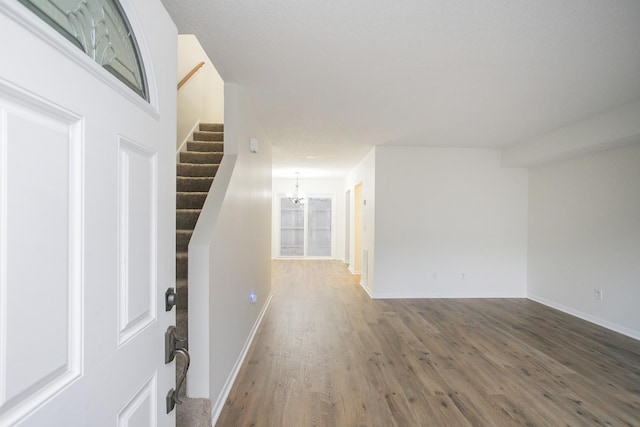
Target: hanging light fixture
<point>297,197</point>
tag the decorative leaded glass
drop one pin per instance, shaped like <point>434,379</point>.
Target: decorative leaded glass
<point>101,30</point>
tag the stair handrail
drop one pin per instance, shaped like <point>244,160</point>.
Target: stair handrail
<point>190,74</point>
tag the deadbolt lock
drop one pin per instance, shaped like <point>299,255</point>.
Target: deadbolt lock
<point>169,299</point>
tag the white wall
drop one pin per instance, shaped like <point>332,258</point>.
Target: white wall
<point>364,173</point>
<point>201,99</point>
<point>230,255</point>
<point>442,213</point>
<point>311,187</point>
<point>613,128</point>
<point>584,233</point>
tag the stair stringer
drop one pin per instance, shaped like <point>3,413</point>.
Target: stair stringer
<point>200,247</point>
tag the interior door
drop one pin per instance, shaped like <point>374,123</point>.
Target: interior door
<point>87,217</point>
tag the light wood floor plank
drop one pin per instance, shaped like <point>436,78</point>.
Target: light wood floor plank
<point>328,355</point>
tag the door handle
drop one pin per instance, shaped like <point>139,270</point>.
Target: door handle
<point>171,348</point>
<point>173,397</point>
<point>171,341</point>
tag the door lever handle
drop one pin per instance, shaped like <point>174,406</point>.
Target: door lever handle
<point>183,375</point>
<point>171,341</point>
<point>173,397</point>
<point>171,348</point>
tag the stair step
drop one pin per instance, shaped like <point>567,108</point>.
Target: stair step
<point>182,294</point>
<point>190,199</point>
<point>208,136</point>
<point>182,326</point>
<point>182,240</point>
<point>182,266</point>
<point>197,157</point>
<point>181,284</point>
<point>196,184</point>
<point>186,218</point>
<point>195,172</point>
<point>212,127</point>
<point>194,169</point>
<point>205,146</point>
<point>194,412</point>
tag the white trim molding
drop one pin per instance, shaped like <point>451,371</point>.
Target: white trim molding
<point>589,318</point>
<point>222,398</point>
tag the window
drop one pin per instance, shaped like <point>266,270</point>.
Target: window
<point>319,227</point>
<point>291,228</point>
<point>305,229</point>
<point>101,30</point>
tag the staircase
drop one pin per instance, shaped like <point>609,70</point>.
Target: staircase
<point>195,172</point>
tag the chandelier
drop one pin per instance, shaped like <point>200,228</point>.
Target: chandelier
<point>297,197</point>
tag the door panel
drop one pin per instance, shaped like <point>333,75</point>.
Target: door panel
<point>87,219</point>
<point>319,234</point>
<point>137,238</point>
<point>141,409</point>
<point>291,228</point>
<point>39,275</point>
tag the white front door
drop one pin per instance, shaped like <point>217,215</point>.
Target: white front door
<point>87,220</point>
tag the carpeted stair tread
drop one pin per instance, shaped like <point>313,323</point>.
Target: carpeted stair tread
<point>194,412</point>
<point>186,218</point>
<point>182,265</point>
<point>201,158</point>
<point>190,199</point>
<point>182,324</point>
<point>182,294</point>
<point>182,240</point>
<point>205,146</point>
<point>197,169</point>
<point>194,175</point>
<point>196,184</point>
<point>208,136</point>
<point>181,285</point>
<point>212,127</point>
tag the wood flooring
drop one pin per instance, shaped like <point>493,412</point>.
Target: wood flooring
<point>328,355</point>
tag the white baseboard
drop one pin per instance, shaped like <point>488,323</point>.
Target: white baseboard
<point>589,318</point>
<point>450,295</point>
<point>222,398</point>
<point>183,145</point>
<point>366,289</point>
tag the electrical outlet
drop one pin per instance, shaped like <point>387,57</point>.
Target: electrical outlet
<point>597,294</point>
<point>253,298</point>
<point>463,276</point>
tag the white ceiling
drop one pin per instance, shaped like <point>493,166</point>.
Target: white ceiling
<point>331,78</point>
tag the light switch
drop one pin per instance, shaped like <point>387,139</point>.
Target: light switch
<point>253,145</point>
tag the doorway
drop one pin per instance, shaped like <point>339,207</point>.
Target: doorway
<point>306,227</point>
<point>347,226</point>
<point>357,229</point>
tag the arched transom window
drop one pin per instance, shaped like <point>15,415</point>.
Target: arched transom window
<point>101,29</point>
